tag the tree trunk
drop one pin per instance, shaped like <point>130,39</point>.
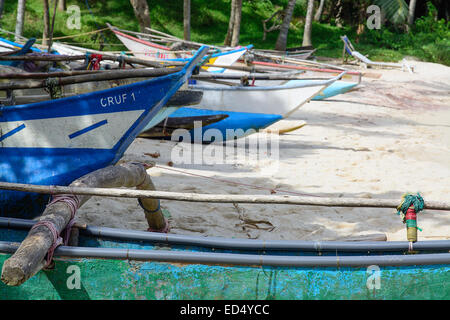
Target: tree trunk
<point>2,4</point>
<point>308,24</point>
<point>46,32</point>
<point>412,8</point>
<point>339,14</point>
<point>20,18</point>
<point>142,13</point>
<point>362,11</point>
<point>319,11</point>
<point>62,6</point>
<point>237,23</point>
<point>187,19</point>
<point>229,35</point>
<point>282,37</point>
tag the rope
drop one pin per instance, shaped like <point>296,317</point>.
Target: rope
<point>57,240</point>
<point>237,183</point>
<point>74,35</point>
<point>73,202</point>
<point>408,209</point>
<point>53,88</point>
<point>94,60</point>
<point>410,200</point>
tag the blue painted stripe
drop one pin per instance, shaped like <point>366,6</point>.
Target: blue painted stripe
<point>87,129</point>
<point>13,131</point>
<point>17,45</point>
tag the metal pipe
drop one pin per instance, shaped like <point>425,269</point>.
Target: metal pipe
<point>243,259</point>
<point>245,244</point>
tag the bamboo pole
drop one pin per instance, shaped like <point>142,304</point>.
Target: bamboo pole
<point>43,75</point>
<point>251,69</point>
<point>270,76</point>
<point>220,198</point>
<point>296,61</point>
<point>29,257</point>
<point>100,76</point>
<point>115,58</point>
<point>298,67</point>
<point>175,39</point>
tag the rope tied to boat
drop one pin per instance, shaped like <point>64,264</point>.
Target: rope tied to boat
<point>73,202</point>
<point>158,208</point>
<point>51,85</point>
<point>94,60</point>
<point>57,240</point>
<point>121,61</point>
<point>408,209</point>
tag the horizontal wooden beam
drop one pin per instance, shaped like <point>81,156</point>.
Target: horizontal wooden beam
<point>221,198</point>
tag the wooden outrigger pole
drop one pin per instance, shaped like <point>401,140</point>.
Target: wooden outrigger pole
<point>220,198</point>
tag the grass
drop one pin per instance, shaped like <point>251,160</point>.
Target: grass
<point>210,22</point>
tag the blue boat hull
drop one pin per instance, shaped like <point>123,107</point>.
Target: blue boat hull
<point>237,125</point>
<point>55,142</point>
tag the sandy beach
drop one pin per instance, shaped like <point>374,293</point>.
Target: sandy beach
<point>389,136</point>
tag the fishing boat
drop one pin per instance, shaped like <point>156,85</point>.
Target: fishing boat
<point>109,263</point>
<point>7,46</point>
<point>145,49</point>
<point>234,125</point>
<point>57,141</point>
<point>283,99</point>
<point>249,108</point>
<point>168,126</point>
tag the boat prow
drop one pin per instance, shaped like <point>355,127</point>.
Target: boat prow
<point>55,142</point>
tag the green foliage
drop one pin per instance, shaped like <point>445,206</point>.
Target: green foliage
<point>429,39</point>
<point>395,11</point>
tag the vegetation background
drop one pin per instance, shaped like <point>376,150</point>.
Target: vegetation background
<point>428,39</point>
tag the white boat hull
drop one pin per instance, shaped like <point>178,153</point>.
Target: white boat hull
<point>282,100</point>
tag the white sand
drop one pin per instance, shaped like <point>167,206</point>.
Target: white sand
<point>390,136</point>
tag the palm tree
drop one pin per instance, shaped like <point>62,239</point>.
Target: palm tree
<point>142,13</point>
<point>187,19</point>
<point>237,23</point>
<point>319,11</point>
<point>395,11</point>
<point>62,5</point>
<point>234,24</point>
<point>412,8</point>
<point>20,18</point>
<point>2,4</point>
<point>282,37</point>
<point>229,35</point>
<point>46,32</point>
<point>308,24</point>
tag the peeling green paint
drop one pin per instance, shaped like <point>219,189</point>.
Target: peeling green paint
<point>118,279</point>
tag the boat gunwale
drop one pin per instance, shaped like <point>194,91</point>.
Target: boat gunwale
<point>431,259</point>
<point>243,244</point>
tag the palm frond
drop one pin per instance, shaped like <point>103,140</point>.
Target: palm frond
<point>396,11</point>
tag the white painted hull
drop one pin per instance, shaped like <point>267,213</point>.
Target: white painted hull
<point>144,51</point>
<point>282,100</point>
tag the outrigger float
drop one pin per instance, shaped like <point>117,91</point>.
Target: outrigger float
<point>107,263</point>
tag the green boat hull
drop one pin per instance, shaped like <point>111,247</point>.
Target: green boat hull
<point>132,280</point>
<point>108,264</point>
